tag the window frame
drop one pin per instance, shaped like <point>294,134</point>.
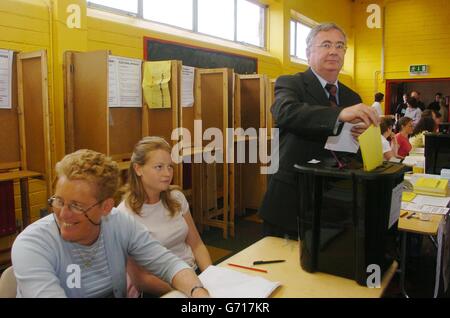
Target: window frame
<point>299,19</point>
<point>140,15</point>
<point>117,11</point>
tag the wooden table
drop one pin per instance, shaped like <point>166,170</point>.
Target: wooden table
<point>295,282</point>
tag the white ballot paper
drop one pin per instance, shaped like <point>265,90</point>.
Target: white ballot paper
<point>344,141</point>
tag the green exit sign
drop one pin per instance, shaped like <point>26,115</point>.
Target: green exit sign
<point>418,69</point>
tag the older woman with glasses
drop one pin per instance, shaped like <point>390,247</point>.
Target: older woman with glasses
<point>81,249</point>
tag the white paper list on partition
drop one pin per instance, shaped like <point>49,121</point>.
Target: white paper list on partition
<point>125,82</point>
<point>396,202</point>
<point>113,82</point>
<point>6,62</point>
<point>344,141</point>
<point>187,86</point>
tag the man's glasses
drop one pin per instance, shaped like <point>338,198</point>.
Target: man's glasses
<point>339,46</point>
<point>58,203</point>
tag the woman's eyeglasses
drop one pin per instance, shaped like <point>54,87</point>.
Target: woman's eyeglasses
<point>58,203</point>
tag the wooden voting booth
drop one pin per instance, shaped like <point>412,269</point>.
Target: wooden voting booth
<point>250,112</point>
<point>24,138</point>
<point>90,121</point>
<point>213,201</point>
<point>270,99</point>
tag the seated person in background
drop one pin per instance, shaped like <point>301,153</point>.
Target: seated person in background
<point>413,111</point>
<point>164,211</point>
<point>417,139</point>
<point>390,148</point>
<point>436,116</point>
<point>404,128</point>
<point>81,249</point>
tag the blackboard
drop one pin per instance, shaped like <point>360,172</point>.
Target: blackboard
<point>158,50</point>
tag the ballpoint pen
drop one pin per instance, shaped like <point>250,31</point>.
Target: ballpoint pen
<point>268,262</point>
<point>411,215</point>
<point>250,268</point>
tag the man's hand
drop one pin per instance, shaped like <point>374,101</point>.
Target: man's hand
<point>358,129</point>
<point>360,113</point>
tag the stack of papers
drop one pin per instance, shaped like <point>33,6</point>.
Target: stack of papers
<point>431,186</point>
<point>223,282</point>
<point>424,208</point>
<point>425,203</point>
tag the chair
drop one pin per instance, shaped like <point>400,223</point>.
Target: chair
<point>8,285</point>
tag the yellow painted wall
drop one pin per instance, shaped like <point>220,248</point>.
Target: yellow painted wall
<point>368,43</point>
<point>418,34</point>
<point>415,33</point>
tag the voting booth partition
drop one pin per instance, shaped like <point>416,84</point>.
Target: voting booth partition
<point>345,218</point>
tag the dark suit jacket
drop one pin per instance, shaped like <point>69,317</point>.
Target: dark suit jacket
<point>306,119</point>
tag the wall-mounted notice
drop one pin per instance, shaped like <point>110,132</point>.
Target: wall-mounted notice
<point>187,86</point>
<point>6,62</point>
<point>125,77</point>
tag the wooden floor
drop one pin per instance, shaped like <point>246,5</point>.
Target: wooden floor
<point>217,253</point>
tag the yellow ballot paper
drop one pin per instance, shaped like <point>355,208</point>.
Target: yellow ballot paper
<point>371,149</point>
<point>155,84</point>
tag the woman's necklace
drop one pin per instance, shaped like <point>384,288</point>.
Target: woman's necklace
<point>88,257</point>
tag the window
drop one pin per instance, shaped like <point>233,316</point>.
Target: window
<point>299,33</point>
<point>250,23</point>
<point>174,12</point>
<point>216,17</point>
<point>235,20</point>
<point>128,6</point>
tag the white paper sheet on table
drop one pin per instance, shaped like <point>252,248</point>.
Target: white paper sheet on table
<point>424,208</point>
<point>429,200</point>
<point>223,282</point>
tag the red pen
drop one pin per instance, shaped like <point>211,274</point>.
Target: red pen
<point>250,268</point>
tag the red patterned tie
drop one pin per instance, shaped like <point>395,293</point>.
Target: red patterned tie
<point>332,89</point>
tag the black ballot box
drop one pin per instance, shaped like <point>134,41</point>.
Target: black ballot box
<point>344,218</point>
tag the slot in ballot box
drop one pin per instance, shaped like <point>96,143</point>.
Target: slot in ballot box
<point>344,218</point>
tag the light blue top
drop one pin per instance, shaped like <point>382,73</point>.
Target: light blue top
<point>43,262</point>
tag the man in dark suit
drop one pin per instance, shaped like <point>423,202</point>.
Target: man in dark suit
<point>309,107</point>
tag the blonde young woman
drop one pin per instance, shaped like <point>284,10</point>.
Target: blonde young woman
<point>163,210</point>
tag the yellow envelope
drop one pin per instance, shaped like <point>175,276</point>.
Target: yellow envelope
<point>371,149</point>
<point>408,196</point>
